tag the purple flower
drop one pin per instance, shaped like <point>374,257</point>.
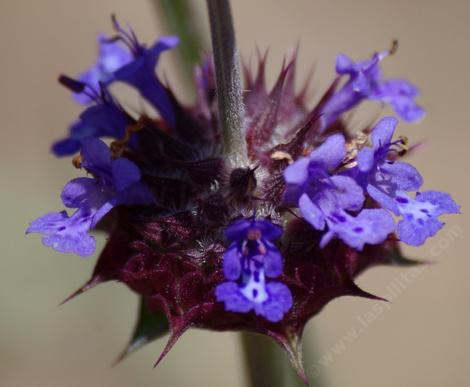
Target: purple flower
<point>376,164</point>
<point>248,261</point>
<point>65,234</point>
<point>388,182</point>
<point>140,72</point>
<point>134,65</point>
<point>325,198</point>
<point>111,56</point>
<point>419,215</point>
<point>104,119</point>
<point>366,82</point>
<point>370,226</point>
<point>115,182</point>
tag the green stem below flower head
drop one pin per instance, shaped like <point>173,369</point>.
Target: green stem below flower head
<point>266,364</point>
<point>229,90</point>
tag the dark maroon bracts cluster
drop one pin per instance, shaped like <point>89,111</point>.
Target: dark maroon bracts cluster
<point>260,247</point>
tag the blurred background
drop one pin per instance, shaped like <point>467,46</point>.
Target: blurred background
<point>420,339</point>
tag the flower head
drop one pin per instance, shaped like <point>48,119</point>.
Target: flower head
<point>180,236</point>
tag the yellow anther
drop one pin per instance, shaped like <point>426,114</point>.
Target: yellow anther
<point>77,161</point>
<point>281,155</point>
<point>118,146</point>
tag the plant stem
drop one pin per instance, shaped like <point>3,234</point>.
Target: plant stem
<point>181,20</point>
<point>229,90</point>
<point>266,364</point>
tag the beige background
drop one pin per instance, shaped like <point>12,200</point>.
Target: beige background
<point>422,340</point>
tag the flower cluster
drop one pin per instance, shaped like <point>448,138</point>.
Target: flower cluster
<point>329,203</point>
<point>388,182</point>
<point>326,191</point>
<point>326,198</point>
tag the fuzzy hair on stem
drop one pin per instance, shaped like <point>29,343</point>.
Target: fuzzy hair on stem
<point>229,90</point>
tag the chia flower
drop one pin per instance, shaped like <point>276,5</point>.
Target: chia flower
<point>388,181</point>
<point>121,58</point>
<point>140,72</point>
<point>182,189</point>
<point>249,259</point>
<point>105,118</point>
<point>366,82</point>
<point>324,198</point>
<point>115,182</point>
<point>111,56</point>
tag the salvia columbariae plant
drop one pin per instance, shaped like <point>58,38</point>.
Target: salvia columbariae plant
<point>248,210</point>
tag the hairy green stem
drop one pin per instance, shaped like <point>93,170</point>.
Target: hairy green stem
<point>266,364</point>
<point>229,90</point>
